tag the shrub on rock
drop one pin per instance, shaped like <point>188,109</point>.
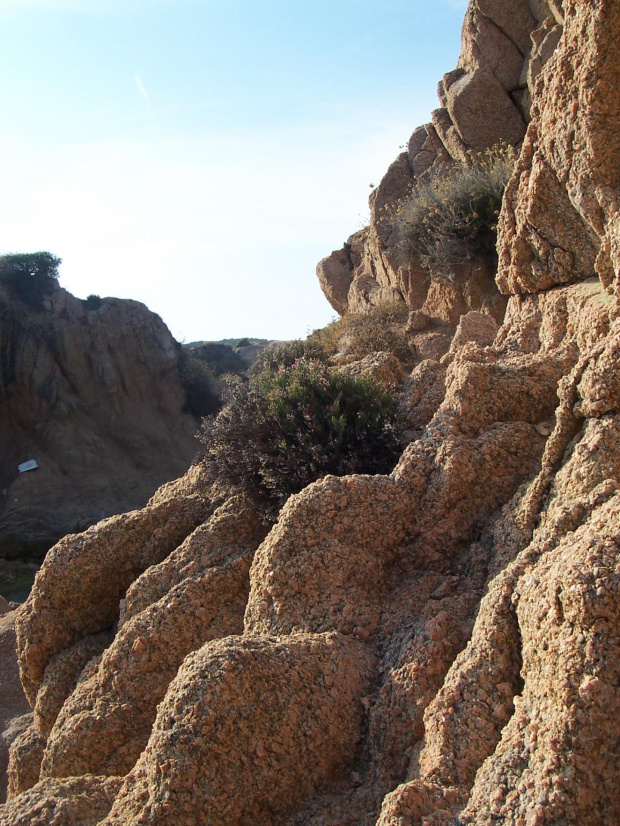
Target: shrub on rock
<point>452,215</point>
<point>293,424</point>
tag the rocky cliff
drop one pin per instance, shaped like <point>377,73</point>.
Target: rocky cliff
<point>439,645</point>
<point>484,102</point>
<point>93,395</point>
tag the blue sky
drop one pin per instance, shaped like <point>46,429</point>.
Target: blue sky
<point>202,155</point>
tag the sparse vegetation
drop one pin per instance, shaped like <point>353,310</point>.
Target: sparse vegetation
<point>29,277</point>
<point>292,424</point>
<point>452,215</point>
<point>286,354</point>
<point>360,334</point>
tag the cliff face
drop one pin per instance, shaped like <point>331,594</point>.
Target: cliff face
<point>435,646</point>
<point>95,398</point>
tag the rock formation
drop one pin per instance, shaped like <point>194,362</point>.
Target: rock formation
<point>94,396</point>
<point>435,646</point>
<point>485,101</point>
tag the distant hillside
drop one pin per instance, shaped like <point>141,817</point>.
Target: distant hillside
<point>222,357</point>
<point>231,342</point>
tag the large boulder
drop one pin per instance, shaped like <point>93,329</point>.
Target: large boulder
<point>483,112</point>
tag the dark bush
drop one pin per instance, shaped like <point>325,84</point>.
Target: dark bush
<point>243,342</point>
<point>29,277</point>
<point>290,426</point>
<point>93,302</point>
<point>202,397</point>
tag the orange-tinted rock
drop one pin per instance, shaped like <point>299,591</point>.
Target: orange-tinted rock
<point>483,112</point>
<point>77,801</point>
<point>61,676</point>
<point>102,562</point>
<point>384,368</point>
<point>25,761</point>
<point>14,706</point>
<point>106,723</point>
<point>486,46</point>
<point>435,646</point>
<point>484,102</point>
<point>424,391</point>
<point>238,737</point>
<point>560,219</point>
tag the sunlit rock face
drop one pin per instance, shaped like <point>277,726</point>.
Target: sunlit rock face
<point>484,102</point>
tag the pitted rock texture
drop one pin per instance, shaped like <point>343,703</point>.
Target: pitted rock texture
<point>77,801</point>
<point>533,664</point>
<point>276,699</point>
<point>104,560</point>
<point>105,724</point>
<point>61,676</point>
<point>14,708</point>
<point>560,220</point>
<point>94,396</point>
<point>423,392</point>
<point>384,368</point>
<point>362,599</point>
<point>320,570</point>
<point>25,761</point>
<point>436,646</point>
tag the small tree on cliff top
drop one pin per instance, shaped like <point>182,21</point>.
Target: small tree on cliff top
<point>29,276</point>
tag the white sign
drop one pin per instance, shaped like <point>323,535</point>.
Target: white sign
<point>31,464</point>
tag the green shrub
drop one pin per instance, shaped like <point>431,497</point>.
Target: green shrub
<point>290,426</point>
<point>243,342</point>
<point>29,276</point>
<point>452,215</point>
<point>93,302</point>
<point>202,397</point>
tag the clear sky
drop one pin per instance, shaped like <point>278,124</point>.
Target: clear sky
<point>202,155</point>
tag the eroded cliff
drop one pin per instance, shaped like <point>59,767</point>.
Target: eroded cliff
<point>435,646</point>
<point>94,396</point>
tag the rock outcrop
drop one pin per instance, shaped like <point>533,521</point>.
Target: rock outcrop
<point>94,397</point>
<point>436,646</point>
<point>560,219</point>
<point>485,102</point>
